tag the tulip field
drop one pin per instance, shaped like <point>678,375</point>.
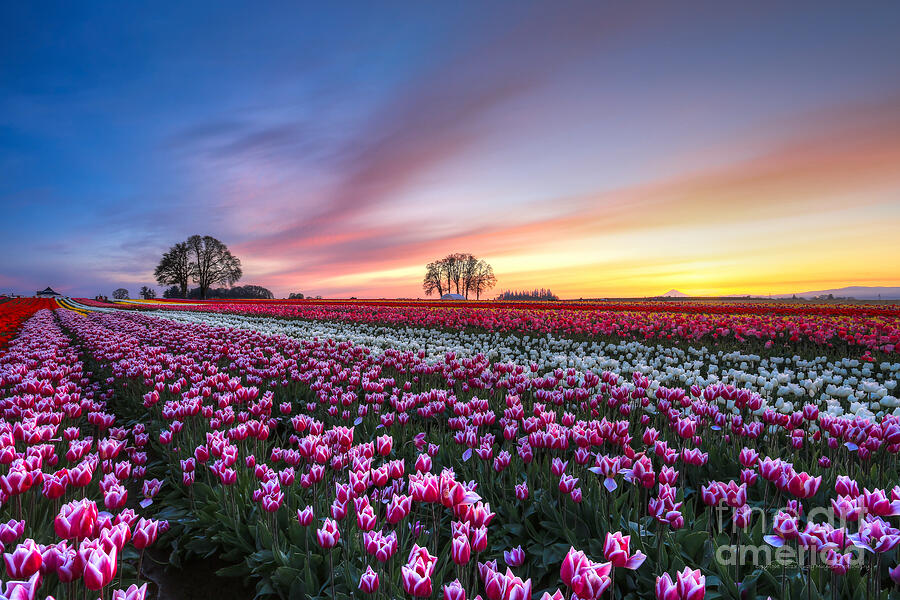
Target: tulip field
<point>462,450</point>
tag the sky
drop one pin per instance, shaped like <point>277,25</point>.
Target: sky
<point>600,149</point>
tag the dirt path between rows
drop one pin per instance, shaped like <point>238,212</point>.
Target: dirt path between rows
<point>195,580</point>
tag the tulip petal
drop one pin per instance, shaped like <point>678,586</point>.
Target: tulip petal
<point>636,560</point>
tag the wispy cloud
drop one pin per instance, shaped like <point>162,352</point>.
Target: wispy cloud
<point>438,114</point>
<point>852,151</point>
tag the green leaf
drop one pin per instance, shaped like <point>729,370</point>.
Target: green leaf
<point>285,576</point>
<point>692,545</point>
<point>238,570</point>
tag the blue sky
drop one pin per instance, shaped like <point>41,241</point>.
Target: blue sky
<point>599,148</point>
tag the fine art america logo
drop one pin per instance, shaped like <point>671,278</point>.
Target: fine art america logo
<point>823,543</point>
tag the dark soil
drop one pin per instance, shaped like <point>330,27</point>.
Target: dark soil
<point>195,580</point>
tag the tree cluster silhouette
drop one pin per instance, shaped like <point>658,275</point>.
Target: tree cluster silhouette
<point>203,260</point>
<point>459,273</point>
<point>535,294</point>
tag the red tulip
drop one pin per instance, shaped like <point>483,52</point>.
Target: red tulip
<point>329,535</point>
<point>398,508</point>
<point>454,591</point>
<point>365,519</point>
<point>691,584</point>
<point>151,487</point>
<point>338,510</point>
<point>12,530</point>
<point>24,561</point>
<point>452,492</point>
<point>17,481</point>
<point>132,593</point>
<point>368,581</point>
<point>99,564</point>
<point>494,584</point>
<point>115,497</point>
<point>514,557</point>
<point>69,566</point>
<point>802,485</point>
<point>742,516</point>
<point>748,457</point>
<point>145,532</point>
<point>558,466</point>
<point>616,551</point>
<point>586,578</point>
<point>55,485</point>
<point>666,589</point>
<point>460,550</point>
<point>305,516</point>
<point>384,444</point>
<point>381,546</point>
<point>572,564</point>
<point>423,463</point>
<point>878,503</point>
<point>118,534</point>
<point>522,491</point>
<point>76,519</point>
<point>108,449</point>
<point>839,563</point>
<point>478,539</point>
<point>23,590</point>
<point>567,484</point>
<point>425,488</point>
<point>416,575</point>
<point>516,588</point>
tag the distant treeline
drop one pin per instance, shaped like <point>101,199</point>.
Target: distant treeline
<point>238,292</point>
<point>535,294</point>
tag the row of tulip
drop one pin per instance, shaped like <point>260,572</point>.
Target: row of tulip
<point>62,452</point>
<point>15,311</point>
<point>847,386</point>
<point>711,306</point>
<point>268,444</point>
<point>847,332</point>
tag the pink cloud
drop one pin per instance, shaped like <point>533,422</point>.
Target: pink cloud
<point>813,170</point>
